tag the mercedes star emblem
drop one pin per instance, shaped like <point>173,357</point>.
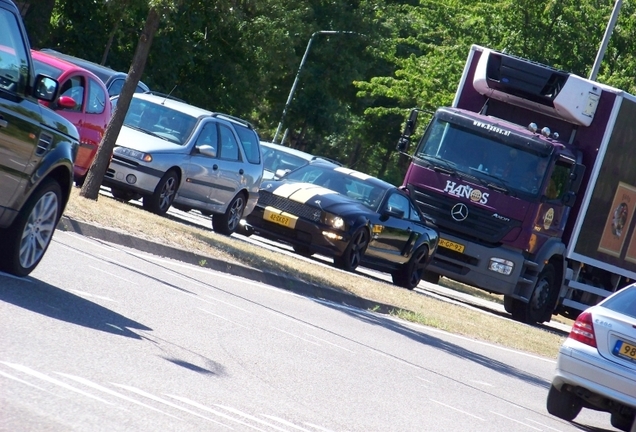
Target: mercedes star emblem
<point>459,212</point>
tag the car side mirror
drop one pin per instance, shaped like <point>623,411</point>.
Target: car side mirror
<point>206,150</point>
<point>394,212</point>
<point>280,173</point>
<point>66,102</point>
<point>568,199</point>
<point>45,88</point>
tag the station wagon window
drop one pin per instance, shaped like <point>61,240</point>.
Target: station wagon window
<point>115,87</point>
<point>209,136</point>
<point>13,58</point>
<point>74,87</point>
<point>250,143</point>
<point>229,146</point>
<point>96,98</point>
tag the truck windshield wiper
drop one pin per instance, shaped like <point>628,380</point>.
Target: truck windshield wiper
<point>500,184</point>
<point>440,164</point>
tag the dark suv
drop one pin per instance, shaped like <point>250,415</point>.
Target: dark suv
<point>37,150</point>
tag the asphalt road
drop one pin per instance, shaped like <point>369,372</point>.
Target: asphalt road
<point>104,338</point>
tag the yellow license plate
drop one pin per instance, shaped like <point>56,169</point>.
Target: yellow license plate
<point>624,349</point>
<point>288,221</point>
<point>451,245</point>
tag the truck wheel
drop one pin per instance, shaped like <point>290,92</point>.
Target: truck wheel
<point>541,305</point>
<point>564,405</point>
<point>226,223</point>
<point>161,200</point>
<point>30,234</point>
<point>410,275</point>
<point>354,252</point>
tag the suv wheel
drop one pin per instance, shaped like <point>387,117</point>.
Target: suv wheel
<point>30,234</point>
<point>226,223</point>
<point>161,200</point>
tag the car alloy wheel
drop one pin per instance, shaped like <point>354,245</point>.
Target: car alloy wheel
<point>161,200</point>
<point>228,222</point>
<point>410,275</point>
<point>354,252</point>
<point>32,231</point>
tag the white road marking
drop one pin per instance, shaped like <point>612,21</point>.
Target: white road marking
<point>85,294</point>
<point>223,318</point>
<point>251,417</point>
<point>296,336</point>
<point>320,428</point>
<point>515,420</point>
<point>114,275</point>
<point>425,380</point>
<point>228,304</point>
<point>285,422</point>
<point>330,343</point>
<point>542,425</point>
<point>482,383</point>
<point>165,402</point>
<point>458,410</point>
<point>210,410</point>
<point>112,392</point>
<point>21,381</point>
<point>47,378</point>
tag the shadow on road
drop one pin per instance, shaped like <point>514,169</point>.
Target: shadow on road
<point>51,301</point>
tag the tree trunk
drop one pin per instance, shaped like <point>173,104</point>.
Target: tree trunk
<point>93,181</point>
<point>37,20</point>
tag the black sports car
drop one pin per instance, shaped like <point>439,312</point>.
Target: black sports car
<point>352,217</point>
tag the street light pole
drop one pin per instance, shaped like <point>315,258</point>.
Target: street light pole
<point>608,32</point>
<point>302,63</point>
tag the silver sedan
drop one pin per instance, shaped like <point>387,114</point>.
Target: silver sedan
<point>596,367</point>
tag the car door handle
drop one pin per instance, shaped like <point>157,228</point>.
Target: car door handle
<point>241,171</point>
<point>3,122</point>
<point>215,167</point>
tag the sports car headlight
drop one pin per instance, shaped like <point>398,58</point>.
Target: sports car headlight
<point>337,222</point>
<point>133,154</point>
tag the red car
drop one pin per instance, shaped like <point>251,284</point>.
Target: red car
<point>83,101</point>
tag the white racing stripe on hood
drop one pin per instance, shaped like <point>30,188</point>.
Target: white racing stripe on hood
<point>301,192</point>
<point>353,173</point>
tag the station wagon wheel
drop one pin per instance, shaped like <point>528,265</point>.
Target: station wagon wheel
<point>354,252</point>
<point>226,223</point>
<point>161,200</point>
<point>32,231</point>
<point>410,275</point>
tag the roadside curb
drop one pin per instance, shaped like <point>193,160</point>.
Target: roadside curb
<point>283,281</point>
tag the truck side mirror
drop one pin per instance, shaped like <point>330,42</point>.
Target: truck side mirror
<point>409,128</point>
<point>576,177</point>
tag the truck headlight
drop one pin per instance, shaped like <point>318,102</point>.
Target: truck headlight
<point>133,154</point>
<point>499,265</point>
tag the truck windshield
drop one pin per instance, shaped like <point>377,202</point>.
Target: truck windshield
<point>482,156</point>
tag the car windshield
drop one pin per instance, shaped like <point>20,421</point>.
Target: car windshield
<point>275,159</point>
<point>343,181</point>
<point>623,302</point>
<point>45,69</point>
<point>159,120</point>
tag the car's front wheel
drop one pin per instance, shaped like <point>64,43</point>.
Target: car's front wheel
<point>27,239</point>
<point>410,275</point>
<point>563,404</point>
<point>165,192</point>
<point>226,223</point>
<point>352,256</point>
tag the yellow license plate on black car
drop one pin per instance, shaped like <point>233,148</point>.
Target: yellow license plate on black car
<point>288,221</point>
<point>625,349</point>
<point>451,245</point>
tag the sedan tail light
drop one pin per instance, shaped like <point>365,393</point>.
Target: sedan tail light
<point>583,330</point>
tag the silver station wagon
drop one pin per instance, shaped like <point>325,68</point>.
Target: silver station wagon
<point>170,153</point>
